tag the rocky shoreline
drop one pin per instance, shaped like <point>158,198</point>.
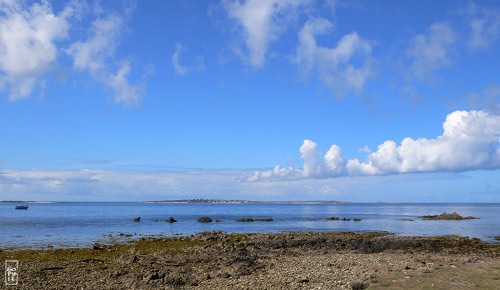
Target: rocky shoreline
<point>214,260</point>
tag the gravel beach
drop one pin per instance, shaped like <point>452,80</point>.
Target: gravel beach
<point>214,260</point>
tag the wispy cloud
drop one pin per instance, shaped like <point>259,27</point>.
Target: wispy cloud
<point>470,141</point>
<point>484,23</point>
<point>96,54</point>
<point>33,37</point>
<point>488,98</point>
<point>431,51</point>
<point>29,38</point>
<point>179,68</point>
<point>334,66</point>
<point>199,63</point>
<point>365,149</point>
<point>261,22</point>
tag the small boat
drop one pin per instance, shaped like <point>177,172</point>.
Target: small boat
<point>24,206</point>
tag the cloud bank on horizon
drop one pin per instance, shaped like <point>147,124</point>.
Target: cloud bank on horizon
<point>106,185</point>
<point>470,141</point>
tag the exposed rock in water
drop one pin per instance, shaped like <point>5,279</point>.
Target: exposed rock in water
<point>204,219</point>
<point>245,220</point>
<point>126,235</point>
<point>447,216</point>
<point>218,221</point>
<point>171,220</point>
<point>264,219</point>
<point>137,219</point>
<point>334,218</point>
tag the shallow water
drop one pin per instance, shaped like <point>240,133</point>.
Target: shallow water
<point>81,224</point>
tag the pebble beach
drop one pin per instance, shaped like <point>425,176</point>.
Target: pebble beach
<point>216,260</point>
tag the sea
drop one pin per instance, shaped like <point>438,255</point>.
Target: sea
<point>81,224</point>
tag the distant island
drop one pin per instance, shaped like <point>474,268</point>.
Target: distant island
<point>204,200</point>
<point>28,201</point>
<point>199,200</point>
<point>210,200</point>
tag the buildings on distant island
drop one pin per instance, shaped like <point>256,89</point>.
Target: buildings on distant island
<point>212,200</point>
<point>204,200</point>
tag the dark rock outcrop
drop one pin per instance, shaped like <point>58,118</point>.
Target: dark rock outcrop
<point>204,219</point>
<point>243,220</point>
<point>102,247</point>
<point>334,218</point>
<point>447,216</point>
<point>171,220</point>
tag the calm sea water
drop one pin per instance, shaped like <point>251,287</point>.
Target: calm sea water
<point>82,224</point>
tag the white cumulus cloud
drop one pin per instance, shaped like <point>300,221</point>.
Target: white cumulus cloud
<point>28,44</point>
<point>334,161</point>
<point>330,165</point>
<point>334,66</point>
<point>470,141</point>
<point>261,22</point>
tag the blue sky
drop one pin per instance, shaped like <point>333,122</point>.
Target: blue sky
<point>268,100</point>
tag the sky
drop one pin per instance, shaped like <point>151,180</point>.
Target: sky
<point>363,101</point>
